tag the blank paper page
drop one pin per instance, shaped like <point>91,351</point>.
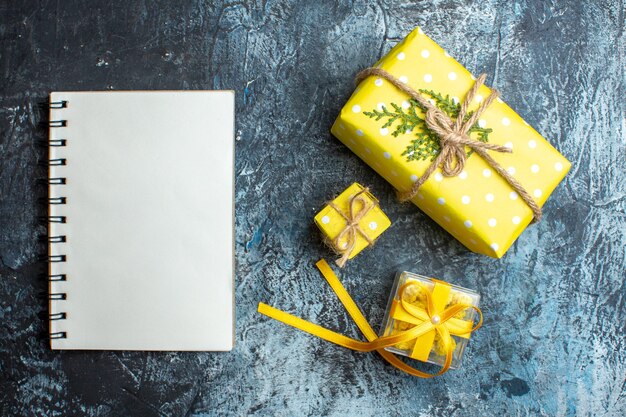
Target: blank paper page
<point>148,220</point>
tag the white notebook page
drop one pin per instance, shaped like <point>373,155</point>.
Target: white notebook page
<point>149,220</point>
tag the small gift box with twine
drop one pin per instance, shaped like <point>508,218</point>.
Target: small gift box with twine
<point>351,222</point>
<point>450,145</point>
<point>416,301</point>
<point>428,320</point>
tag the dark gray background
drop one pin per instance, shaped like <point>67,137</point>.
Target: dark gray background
<point>553,341</point>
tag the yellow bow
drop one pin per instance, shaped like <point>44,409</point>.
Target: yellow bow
<point>426,321</point>
<point>432,320</point>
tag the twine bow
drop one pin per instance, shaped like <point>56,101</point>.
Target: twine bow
<point>441,322</point>
<point>453,137</point>
<point>352,227</point>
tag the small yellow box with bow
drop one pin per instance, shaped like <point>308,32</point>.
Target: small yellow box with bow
<point>441,315</point>
<point>351,222</point>
<point>450,145</point>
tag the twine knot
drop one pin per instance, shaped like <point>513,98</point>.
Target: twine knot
<point>451,140</point>
<point>454,137</point>
<point>352,228</point>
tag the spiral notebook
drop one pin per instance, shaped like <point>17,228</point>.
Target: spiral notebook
<point>141,220</point>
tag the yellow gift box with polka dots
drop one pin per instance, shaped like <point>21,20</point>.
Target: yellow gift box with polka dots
<point>477,207</point>
<point>331,222</point>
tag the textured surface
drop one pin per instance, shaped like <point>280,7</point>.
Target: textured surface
<point>553,340</point>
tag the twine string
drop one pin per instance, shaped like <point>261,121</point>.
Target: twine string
<point>454,136</point>
<point>352,228</point>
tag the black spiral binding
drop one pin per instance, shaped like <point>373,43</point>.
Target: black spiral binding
<point>55,219</point>
<point>52,181</point>
<point>53,162</point>
<point>52,142</point>
<point>51,240</point>
<point>58,104</point>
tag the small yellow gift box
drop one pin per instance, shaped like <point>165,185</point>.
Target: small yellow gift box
<point>491,172</point>
<point>351,222</point>
<point>417,300</point>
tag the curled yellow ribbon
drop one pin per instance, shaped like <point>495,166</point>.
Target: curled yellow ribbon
<point>441,322</point>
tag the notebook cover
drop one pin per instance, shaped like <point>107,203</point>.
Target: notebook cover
<point>149,216</point>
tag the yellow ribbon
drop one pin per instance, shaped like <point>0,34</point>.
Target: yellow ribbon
<point>435,320</point>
